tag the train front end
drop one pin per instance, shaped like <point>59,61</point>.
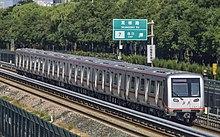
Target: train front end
<point>185,96</point>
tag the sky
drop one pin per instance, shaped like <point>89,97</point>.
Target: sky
<point>7,3</point>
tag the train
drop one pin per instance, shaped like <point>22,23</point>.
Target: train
<point>158,91</point>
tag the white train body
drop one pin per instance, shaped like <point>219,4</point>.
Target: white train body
<point>148,89</point>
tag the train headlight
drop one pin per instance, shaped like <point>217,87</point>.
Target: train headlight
<point>175,100</point>
<point>196,100</point>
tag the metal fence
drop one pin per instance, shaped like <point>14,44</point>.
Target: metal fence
<point>15,122</point>
<point>7,56</point>
<point>212,96</point>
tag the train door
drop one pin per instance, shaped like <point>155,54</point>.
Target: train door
<point>152,92</point>
<point>32,64</point>
<point>26,62</point>
<point>95,73</point>
<point>141,81</point>
<point>78,74</point>
<point>115,83</point>
<point>130,86</point>
<point>56,69</point>
<point>83,79</point>
<point>89,77</point>
<point>161,93</point>
<point>49,68</point>
<point>121,84</point>
<point>69,71</point>
<point>46,66</point>
<point>62,75</point>
<point>155,92</point>
<point>108,81</point>
<point>101,79</point>
<point>72,68</point>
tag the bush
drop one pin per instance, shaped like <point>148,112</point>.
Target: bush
<point>170,64</point>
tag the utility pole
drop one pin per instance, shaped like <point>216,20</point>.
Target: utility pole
<point>151,47</point>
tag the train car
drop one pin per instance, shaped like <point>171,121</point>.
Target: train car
<point>158,91</point>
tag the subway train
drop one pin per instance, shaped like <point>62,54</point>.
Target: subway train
<point>158,91</point>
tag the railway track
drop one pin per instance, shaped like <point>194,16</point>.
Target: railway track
<point>209,123</point>
<point>135,126</point>
<point>128,126</point>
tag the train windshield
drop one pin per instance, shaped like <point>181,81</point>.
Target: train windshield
<point>185,87</point>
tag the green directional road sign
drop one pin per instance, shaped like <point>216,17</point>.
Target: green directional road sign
<point>129,29</point>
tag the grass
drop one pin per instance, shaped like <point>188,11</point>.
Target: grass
<point>42,114</point>
<point>6,98</point>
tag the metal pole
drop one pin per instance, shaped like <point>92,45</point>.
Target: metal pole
<point>152,32</point>
<point>152,36</point>
<point>119,50</point>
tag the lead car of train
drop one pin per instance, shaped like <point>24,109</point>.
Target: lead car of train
<point>158,91</point>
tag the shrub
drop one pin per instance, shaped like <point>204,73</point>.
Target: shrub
<point>170,64</point>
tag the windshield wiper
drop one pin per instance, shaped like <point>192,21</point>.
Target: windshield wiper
<point>177,95</point>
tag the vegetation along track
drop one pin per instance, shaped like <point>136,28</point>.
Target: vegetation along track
<point>211,124</point>
<point>129,124</point>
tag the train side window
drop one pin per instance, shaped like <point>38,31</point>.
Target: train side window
<point>21,57</point>
<point>107,77</point>
<point>24,60</point>
<point>161,87</point>
<point>73,72</point>
<point>55,66</point>
<point>100,76</point>
<point>115,79</point>
<point>64,66</point>
<point>79,71</point>
<point>132,82</point>
<point>164,92</point>
<point>85,73</point>
<point>51,66</point>
<point>152,86</point>
<point>88,73</point>
<point>37,63</point>
<point>142,85</point>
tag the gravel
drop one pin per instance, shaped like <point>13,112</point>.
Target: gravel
<point>70,120</point>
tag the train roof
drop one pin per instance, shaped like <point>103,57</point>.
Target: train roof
<point>106,62</point>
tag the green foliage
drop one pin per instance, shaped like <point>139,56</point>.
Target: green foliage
<point>6,98</point>
<point>185,30</point>
<point>186,66</point>
<point>135,59</point>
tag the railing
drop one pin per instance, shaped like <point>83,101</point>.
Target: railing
<point>15,122</point>
<point>212,96</point>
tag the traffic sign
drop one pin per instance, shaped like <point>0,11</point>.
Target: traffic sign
<point>150,53</point>
<point>129,29</point>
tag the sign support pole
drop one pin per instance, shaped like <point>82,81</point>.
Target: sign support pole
<point>152,42</point>
<point>130,29</point>
<point>119,50</point>
<point>152,32</point>
<point>152,36</point>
